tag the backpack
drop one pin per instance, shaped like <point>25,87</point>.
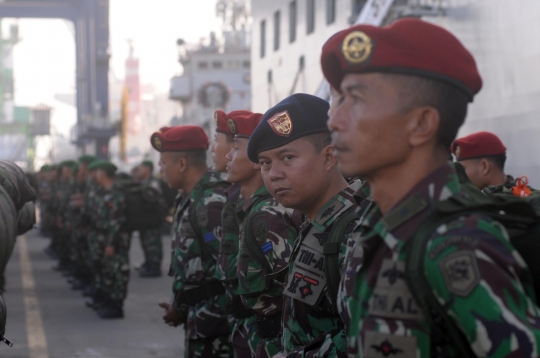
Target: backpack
<point>144,205</point>
<point>516,214</point>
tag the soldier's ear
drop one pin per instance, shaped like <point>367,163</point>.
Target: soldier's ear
<point>422,125</point>
<point>328,154</point>
<point>182,164</point>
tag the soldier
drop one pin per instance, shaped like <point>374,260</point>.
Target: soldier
<point>199,300</point>
<point>405,89</point>
<point>228,250</point>
<point>112,244</point>
<point>267,233</point>
<point>483,156</point>
<point>311,325</point>
<point>62,238</point>
<point>79,235</point>
<point>47,205</point>
<point>150,238</point>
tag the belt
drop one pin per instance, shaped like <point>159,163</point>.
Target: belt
<point>203,292</point>
<point>269,326</point>
<point>237,308</point>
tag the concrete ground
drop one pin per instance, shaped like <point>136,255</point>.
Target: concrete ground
<point>46,319</point>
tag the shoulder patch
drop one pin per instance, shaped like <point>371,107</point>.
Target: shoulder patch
<point>202,216</point>
<point>260,230</point>
<point>460,272</point>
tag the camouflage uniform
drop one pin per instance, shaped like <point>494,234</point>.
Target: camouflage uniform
<point>197,294</point>
<point>267,231</point>
<point>227,263</point>
<point>111,218</point>
<point>310,318</point>
<point>62,238</point>
<point>472,269</point>
<point>79,252</point>
<point>151,238</point>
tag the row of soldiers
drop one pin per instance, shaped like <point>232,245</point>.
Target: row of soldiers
<point>85,209</point>
<point>276,253</point>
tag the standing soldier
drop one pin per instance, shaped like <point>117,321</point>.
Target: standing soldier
<point>79,235</point>
<point>62,239</point>
<point>48,197</point>
<point>150,238</point>
<point>311,325</point>
<point>228,250</point>
<point>267,234</point>
<point>405,89</point>
<point>483,156</point>
<point>199,300</point>
<point>112,244</point>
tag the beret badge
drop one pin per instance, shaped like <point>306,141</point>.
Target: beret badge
<point>281,124</point>
<point>231,125</point>
<point>457,151</point>
<point>157,143</point>
<point>215,117</point>
<point>356,47</point>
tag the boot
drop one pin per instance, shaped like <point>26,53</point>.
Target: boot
<point>111,310</point>
<point>96,302</point>
<point>150,270</point>
<point>89,291</point>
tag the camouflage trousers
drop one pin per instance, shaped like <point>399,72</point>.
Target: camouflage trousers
<point>80,254</point>
<point>62,243</point>
<point>210,347</point>
<point>245,335</point>
<point>151,245</point>
<point>115,276</point>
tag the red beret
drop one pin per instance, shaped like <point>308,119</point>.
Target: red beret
<point>221,119</point>
<point>408,46</point>
<point>164,129</point>
<point>478,145</point>
<point>179,139</point>
<point>243,126</point>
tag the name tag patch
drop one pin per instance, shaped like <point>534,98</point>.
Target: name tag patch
<point>392,297</point>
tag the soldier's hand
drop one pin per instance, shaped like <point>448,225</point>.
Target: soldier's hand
<point>109,251</point>
<point>171,317</point>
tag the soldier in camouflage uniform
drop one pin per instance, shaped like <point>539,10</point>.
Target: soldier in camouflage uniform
<point>199,301</point>
<point>113,241</point>
<point>228,250</point>
<point>150,238</point>
<point>267,234</point>
<point>311,325</point>
<point>47,197</point>
<point>404,94</point>
<point>62,238</point>
<point>483,156</point>
<point>79,252</point>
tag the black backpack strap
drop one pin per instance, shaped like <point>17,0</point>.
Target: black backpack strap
<point>331,250</point>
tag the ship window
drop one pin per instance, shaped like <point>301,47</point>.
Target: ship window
<point>203,65</point>
<point>277,29</point>
<point>330,11</point>
<point>246,64</point>
<point>310,16</point>
<point>292,21</point>
<point>263,38</point>
<point>217,64</point>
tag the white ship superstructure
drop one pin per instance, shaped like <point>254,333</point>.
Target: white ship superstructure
<point>503,36</point>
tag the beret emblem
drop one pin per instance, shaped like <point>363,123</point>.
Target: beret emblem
<point>216,117</point>
<point>281,124</point>
<point>231,125</point>
<point>457,151</point>
<point>356,47</point>
<point>157,143</point>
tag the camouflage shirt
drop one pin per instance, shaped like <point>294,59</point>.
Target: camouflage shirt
<point>272,229</point>
<point>111,217</point>
<point>477,276</point>
<point>195,251</point>
<point>228,251</point>
<point>309,316</point>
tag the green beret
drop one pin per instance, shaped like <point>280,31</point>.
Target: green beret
<point>104,165</point>
<point>148,163</point>
<point>87,159</point>
<point>45,168</point>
